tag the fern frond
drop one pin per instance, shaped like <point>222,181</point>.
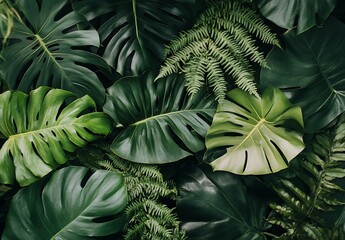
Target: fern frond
<point>224,31</point>
<point>300,215</point>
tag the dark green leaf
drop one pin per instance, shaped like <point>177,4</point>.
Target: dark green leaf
<point>260,135</point>
<point>311,72</point>
<point>134,32</point>
<point>220,205</point>
<point>303,13</point>
<point>72,204</point>
<point>40,129</point>
<point>45,51</point>
<point>161,122</point>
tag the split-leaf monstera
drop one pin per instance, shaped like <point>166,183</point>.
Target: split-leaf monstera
<point>39,129</point>
<point>45,50</point>
<point>259,135</point>
<point>134,32</point>
<point>72,204</point>
<point>311,71</point>
<point>160,122</point>
<point>307,13</point>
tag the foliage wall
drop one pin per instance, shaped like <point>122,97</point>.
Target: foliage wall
<point>181,119</point>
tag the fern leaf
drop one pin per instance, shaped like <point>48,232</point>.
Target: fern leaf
<point>300,214</point>
<point>225,31</point>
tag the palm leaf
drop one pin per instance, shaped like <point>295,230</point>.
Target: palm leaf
<point>134,32</point>
<point>259,135</point>
<point>160,122</point>
<point>38,131</point>
<point>71,204</point>
<point>45,49</point>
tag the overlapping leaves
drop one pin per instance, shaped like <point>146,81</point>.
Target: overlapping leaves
<point>251,135</point>
<point>72,204</point>
<point>39,129</point>
<point>160,122</point>
<point>134,32</point>
<point>45,50</point>
<point>311,71</point>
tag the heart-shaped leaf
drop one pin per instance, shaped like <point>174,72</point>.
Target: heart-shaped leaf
<point>311,72</point>
<point>73,204</point>
<point>259,136</point>
<point>134,32</point>
<point>39,129</point>
<point>221,205</point>
<point>44,50</point>
<point>306,13</point>
<point>160,122</point>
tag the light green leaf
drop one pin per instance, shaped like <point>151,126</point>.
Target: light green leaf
<point>303,13</point>
<point>39,129</point>
<point>160,122</point>
<point>311,71</point>
<point>72,204</point>
<point>135,32</point>
<point>45,50</point>
<point>259,136</point>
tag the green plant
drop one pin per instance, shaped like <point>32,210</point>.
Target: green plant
<point>310,71</point>
<point>39,129</point>
<point>47,50</point>
<point>73,203</point>
<point>261,135</point>
<point>301,214</point>
<point>158,122</point>
<point>221,42</point>
<point>147,216</point>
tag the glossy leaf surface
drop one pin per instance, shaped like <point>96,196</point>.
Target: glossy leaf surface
<point>311,72</point>
<point>160,122</point>
<point>260,136</point>
<point>39,129</point>
<point>135,32</point>
<point>221,205</point>
<point>70,205</point>
<point>303,13</point>
<point>47,50</point>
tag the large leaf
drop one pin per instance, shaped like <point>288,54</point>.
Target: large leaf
<point>72,204</point>
<point>39,129</point>
<point>134,32</point>
<point>160,121</point>
<point>311,72</point>
<point>45,50</point>
<point>303,13</point>
<point>260,135</point>
<point>221,205</point>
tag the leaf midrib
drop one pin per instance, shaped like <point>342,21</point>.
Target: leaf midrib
<point>179,112</point>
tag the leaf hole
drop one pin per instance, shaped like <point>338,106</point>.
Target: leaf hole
<point>204,118</point>
<point>240,116</point>
<point>177,140</point>
<point>268,162</point>
<point>280,152</point>
<point>107,218</point>
<point>59,58</point>
<point>233,134</point>
<point>86,178</point>
<point>67,8</point>
<point>245,160</point>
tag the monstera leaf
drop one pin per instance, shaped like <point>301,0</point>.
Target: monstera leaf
<point>307,13</point>
<point>38,131</point>
<point>134,32</point>
<point>73,204</point>
<point>221,205</point>
<point>160,122</point>
<point>258,136</point>
<point>45,50</point>
<point>311,72</point>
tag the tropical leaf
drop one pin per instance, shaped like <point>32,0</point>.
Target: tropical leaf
<point>311,72</point>
<point>72,204</point>
<point>39,129</point>
<point>134,32</point>
<point>303,13</point>
<point>45,50</point>
<point>260,135</point>
<point>160,122</point>
<point>221,205</point>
